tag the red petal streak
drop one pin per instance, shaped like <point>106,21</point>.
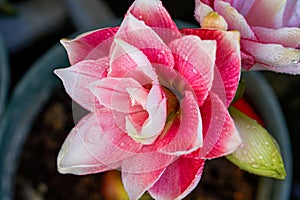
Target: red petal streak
<point>154,15</point>
<point>228,142</point>
<point>219,133</point>
<point>228,59</point>
<point>142,37</point>
<point>195,60</point>
<point>178,180</point>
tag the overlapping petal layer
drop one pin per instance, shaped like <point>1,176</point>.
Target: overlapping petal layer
<point>89,148</point>
<point>227,58</point>
<point>219,132</point>
<point>77,78</point>
<point>195,60</point>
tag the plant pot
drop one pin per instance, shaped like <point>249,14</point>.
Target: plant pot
<point>263,99</point>
<point>4,76</point>
<point>37,85</point>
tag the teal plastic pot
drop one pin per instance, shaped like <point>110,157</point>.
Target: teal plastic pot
<point>37,85</point>
<point>27,99</point>
<point>4,76</point>
<point>263,99</point>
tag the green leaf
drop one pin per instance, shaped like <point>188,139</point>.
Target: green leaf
<point>260,153</point>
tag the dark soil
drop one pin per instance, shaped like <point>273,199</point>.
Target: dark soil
<point>38,178</point>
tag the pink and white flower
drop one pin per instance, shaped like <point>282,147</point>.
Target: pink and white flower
<point>157,99</point>
<point>270,34</point>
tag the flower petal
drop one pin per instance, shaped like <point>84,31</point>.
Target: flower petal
<point>109,122</point>
<point>201,10</point>
<point>91,45</point>
<point>273,57</point>
<point>291,16</point>
<point>234,19</point>
<point>156,16</point>
<point>266,13</point>
<point>228,59</point>
<point>247,60</point>
<point>179,179</point>
<point>137,183</point>
<point>128,61</point>
<point>195,60</point>
<point>77,77</point>
<point>288,37</point>
<point>219,132</point>
<point>136,33</point>
<point>188,135</point>
<point>242,6</point>
<point>87,149</point>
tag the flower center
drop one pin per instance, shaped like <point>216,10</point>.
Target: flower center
<point>173,106</point>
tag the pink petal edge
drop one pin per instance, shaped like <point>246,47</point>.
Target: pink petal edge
<point>136,33</point>
<point>137,183</point>
<point>77,78</point>
<point>157,17</point>
<point>91,45</point>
